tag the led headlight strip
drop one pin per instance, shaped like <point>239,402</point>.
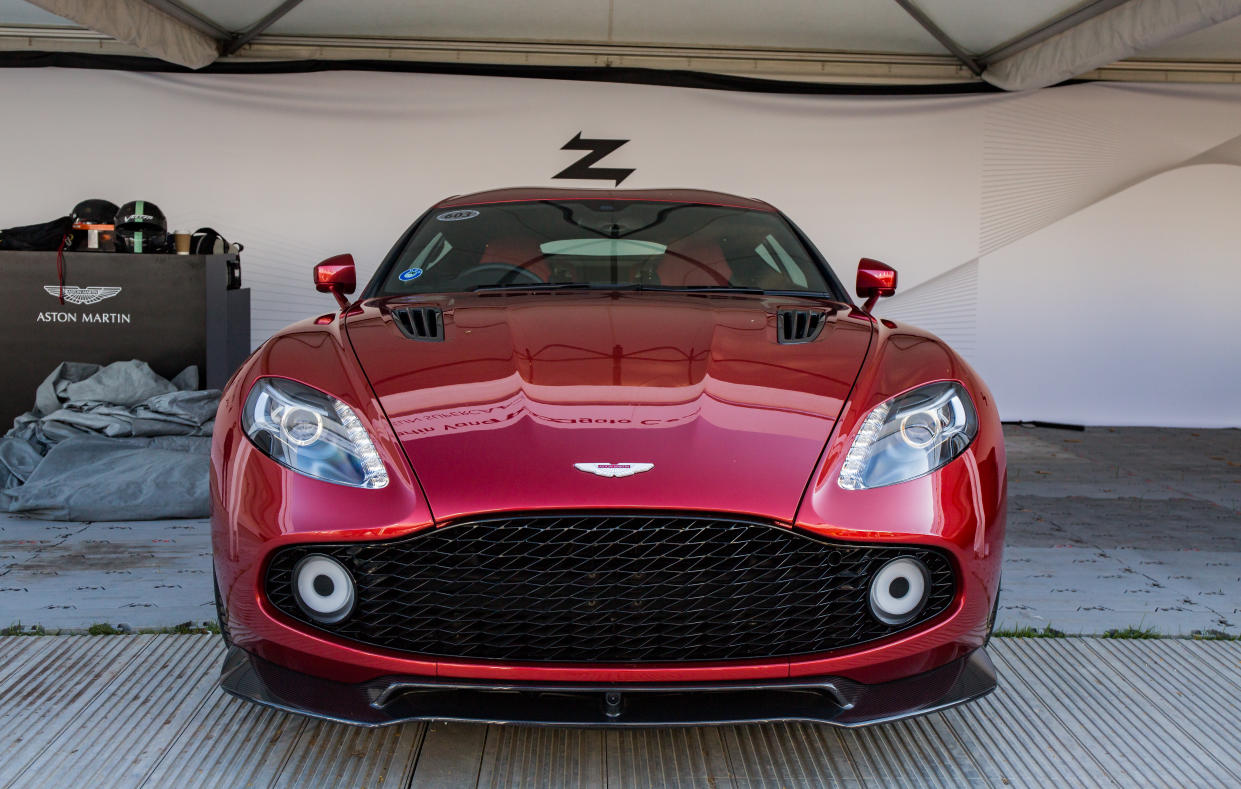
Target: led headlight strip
<point>376,474</point>
<point>851,472</point>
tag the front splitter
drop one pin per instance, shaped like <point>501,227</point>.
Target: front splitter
<point>389,700</point>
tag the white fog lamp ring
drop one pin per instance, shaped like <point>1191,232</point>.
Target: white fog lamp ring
<point>898,591</point>
<point>323,588</point>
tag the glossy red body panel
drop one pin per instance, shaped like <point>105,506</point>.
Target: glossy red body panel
<point>337,274</point>
<point>528,193</point>
<point>695,384</point>
<point>875,278</point>
<point>538,365</point>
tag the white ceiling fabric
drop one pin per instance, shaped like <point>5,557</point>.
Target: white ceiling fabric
<point>1015,45</point>
<point>981,26</point>
<point>1123,31</point>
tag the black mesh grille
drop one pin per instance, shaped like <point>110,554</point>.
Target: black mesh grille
<point>611,588</point>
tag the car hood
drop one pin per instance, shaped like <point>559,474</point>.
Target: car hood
<point>525,386</point>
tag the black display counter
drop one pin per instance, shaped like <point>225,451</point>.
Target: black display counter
<point>170,311</point>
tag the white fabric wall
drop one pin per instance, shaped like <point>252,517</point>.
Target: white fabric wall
<point>1078,245</point>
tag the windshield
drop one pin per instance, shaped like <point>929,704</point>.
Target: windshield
<point>603,244</point>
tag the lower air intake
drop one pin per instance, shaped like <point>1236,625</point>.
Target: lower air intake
<point>611,588</point>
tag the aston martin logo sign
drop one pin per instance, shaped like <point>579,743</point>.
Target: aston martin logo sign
<point>88,295</point>
<point>82,296</point>
<point>614,469</point>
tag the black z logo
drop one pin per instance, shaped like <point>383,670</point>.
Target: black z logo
<point>582,169</point>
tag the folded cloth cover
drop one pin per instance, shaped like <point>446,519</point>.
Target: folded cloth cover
<point>110,443</point>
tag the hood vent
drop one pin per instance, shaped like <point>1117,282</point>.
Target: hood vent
<point>794,326</point>
<point>420,323</point>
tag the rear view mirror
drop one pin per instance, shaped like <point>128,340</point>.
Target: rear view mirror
<point>337,276</point>
<point>874,280</point>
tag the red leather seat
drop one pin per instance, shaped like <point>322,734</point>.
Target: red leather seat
<point>694,262</point>
<point>518,251</point>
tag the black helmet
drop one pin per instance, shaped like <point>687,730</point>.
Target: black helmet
<point>94,212</point>
<point>92,226</point>
<point>141,227</point>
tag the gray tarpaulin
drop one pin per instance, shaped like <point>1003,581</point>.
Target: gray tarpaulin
<point>110,443</point>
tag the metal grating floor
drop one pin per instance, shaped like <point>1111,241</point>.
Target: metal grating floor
<point>144,711</point>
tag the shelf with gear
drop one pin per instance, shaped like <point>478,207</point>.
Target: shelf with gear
<point>110,283</point>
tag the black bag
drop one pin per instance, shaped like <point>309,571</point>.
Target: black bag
<point>45,237</point>
<point>206,241</point>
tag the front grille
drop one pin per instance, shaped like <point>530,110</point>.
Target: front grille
<point>611,588</point>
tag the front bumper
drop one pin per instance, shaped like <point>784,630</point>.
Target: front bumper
<point>389,700</point>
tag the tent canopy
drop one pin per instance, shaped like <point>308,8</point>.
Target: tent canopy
<point>1014,46</point>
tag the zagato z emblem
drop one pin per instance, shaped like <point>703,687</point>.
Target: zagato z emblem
<point>614,469</point>
<point>584,169</point>
<point>90,295</point>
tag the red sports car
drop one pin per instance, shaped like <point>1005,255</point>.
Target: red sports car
<point>605,457</point>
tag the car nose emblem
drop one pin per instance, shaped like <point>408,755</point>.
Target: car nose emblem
<point>614,469</point>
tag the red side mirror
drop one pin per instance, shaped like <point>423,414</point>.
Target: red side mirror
<point>874,280</point>
<point>336,275</point>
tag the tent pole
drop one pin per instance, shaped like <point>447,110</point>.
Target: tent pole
<point>943,38</point>
<point>244,37</point>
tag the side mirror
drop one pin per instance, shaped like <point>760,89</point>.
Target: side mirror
<point>336,275</point>
<point>874,279</point>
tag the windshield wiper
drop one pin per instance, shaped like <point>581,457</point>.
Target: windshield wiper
<point>743,290</point>
<point>710,289</point>
<point>534,287</point>
<point>524,286</point>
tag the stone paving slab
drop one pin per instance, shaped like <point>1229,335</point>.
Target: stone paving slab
<point>1085,591</point>
<point>1141,462</point>
<point>144,574</point>
<point>1123,527</point>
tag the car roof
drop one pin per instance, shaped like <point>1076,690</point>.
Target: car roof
<point>533,193</point>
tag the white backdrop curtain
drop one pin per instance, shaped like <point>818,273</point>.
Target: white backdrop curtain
<point>1079,245</point>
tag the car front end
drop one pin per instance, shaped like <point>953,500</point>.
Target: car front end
<point>645,504</point>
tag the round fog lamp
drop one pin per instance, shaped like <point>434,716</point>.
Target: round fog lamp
<point>898,591</point>
<point>323,588</point>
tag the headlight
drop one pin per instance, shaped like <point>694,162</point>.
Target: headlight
<point>312,433</point>
<point>910,436</point>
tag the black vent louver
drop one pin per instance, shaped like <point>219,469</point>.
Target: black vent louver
<point>420,323</point>
<point>793,326</point>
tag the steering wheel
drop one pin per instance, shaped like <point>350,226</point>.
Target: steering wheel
<point>477,276</point>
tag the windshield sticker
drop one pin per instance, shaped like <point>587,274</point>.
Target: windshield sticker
<point>409,274</point>
<point>457,216</point>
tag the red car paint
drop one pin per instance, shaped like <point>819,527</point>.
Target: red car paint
<point>677,380</point>
<point>494,419</point>
<point>528,193</point>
